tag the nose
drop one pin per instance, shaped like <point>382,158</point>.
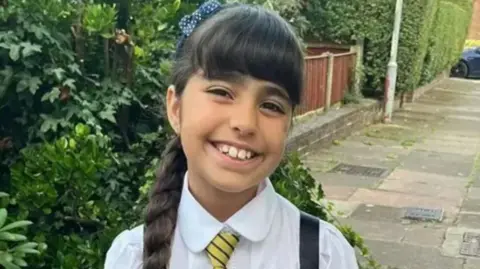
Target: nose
<point>243,120</point>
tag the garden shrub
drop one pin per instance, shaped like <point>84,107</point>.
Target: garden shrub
<point>14,246</point>
<point>68,189</point>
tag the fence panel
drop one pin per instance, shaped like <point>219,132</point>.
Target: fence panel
<point>316,70</point>
<point>343,72</point>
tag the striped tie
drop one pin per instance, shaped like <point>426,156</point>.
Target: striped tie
<point>221,248</point>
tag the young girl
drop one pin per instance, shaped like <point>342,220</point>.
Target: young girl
<point>237,78</point>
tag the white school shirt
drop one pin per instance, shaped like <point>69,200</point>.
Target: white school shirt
<point>269,230</point>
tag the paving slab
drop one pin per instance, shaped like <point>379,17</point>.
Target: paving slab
<point>473,193</point>
<point>338,179</point>
<point>446,148</point>
<point>448,164</point>
<point>343,209</point>
<point>366,140</point>
<point>370,212</point>
<point>324,161</point>
<point>476,183</point>
<point>377,230</point>
<point>461,125</point>
<point>468,220</point>
<point>472,264</point>
<point>425,236</point>
<point>338,192</point>
<point>408,256</point>
<point>361,149</point>
<point>425,184</point>
<point>471,205</point>
<point>400,200</point>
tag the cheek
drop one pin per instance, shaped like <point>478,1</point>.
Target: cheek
<point>197,114</point>
<point>275,133</point>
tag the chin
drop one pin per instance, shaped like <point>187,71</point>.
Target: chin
<point>233,183</point>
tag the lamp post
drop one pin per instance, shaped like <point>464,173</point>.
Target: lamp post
<point>391,80</point>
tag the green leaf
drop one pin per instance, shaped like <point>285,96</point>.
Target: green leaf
<point>29,245</point>
<point>58,73</point>
<point>6,261</point>
<point>70,83</point>
<point>11,237</point>
<point>3,216</point>
<point>29,48</point>
<point>20,262</point>
<point>5,256</point>
<point>3,195</point>
<point>34,84</point>
<point>17,224</point>
<point>14,52</point>
<point>108,115</point>
<point>29,251</point>
<point>51,95</point>
<point>22,85</point>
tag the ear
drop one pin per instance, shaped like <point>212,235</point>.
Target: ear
<point>173,109</point>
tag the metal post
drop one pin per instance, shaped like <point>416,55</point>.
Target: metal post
<point>328,93</point>
<point>391,80</point>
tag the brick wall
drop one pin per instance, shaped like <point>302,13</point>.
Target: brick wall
<point>474,31</point>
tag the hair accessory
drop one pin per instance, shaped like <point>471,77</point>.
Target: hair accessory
<point>189,22</point>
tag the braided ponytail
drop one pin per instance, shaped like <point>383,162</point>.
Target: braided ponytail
<point>161,215</point>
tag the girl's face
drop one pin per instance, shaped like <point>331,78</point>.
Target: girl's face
<point>233,130</point>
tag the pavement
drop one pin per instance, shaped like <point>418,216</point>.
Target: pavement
<point>411,188</point>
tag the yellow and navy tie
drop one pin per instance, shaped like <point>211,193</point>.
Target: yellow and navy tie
<point>221,248</point>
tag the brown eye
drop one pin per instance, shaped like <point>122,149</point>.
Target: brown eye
<point>220,92</point>
<point>273,107</point>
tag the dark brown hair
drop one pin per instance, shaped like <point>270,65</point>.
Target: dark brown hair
<point>239,39</point>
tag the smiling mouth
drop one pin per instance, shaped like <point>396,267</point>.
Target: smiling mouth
<point>234,152</point>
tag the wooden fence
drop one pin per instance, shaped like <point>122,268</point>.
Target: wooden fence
<point>327,78</point>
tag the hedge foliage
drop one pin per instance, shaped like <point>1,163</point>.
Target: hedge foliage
<point>431,38</point>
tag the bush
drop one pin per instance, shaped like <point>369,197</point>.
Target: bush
<point>14,246</point>
<point>68,189</point>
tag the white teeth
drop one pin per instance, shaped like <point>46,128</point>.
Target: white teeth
<point>233,152</point>
<point>242,154</point>
<point>224,148</point>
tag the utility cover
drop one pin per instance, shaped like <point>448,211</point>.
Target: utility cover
<point>424,214</point>
<point>470,245</point>
<point>359,170</point>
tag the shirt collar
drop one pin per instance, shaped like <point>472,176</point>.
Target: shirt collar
<point>252,221</point>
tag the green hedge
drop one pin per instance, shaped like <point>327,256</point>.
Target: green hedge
<point>431,38</point>
<point>446,38</point>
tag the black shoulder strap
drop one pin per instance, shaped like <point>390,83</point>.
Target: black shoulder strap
<point>309,240</point>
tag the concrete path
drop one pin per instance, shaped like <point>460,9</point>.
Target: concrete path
<point>427,164</point>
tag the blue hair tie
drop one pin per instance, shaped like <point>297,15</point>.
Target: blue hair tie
<point>189,22</point>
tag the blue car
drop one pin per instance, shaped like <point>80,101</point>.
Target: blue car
<point>469,64</point>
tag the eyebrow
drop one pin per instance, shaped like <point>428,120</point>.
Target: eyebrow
<point>239,79</point>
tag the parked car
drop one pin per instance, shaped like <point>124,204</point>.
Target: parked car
<point>469,64</point>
